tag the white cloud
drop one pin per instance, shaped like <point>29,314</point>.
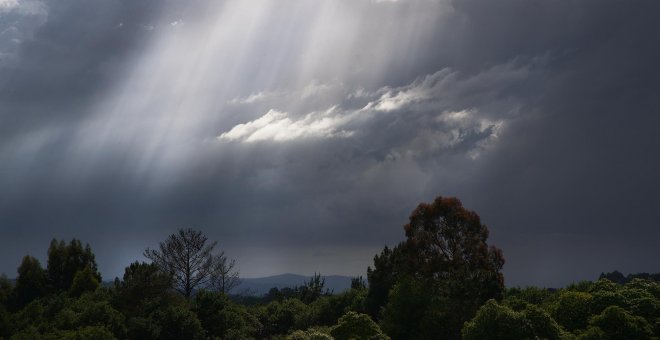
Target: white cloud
<point>253,98</point>
<point>19,19</point>
<point>30,7</point>
<point>312,90</point>
<point>278,126</point>
<point>447,88</point>
<point>436,112</point>
<point>6,5</point>
<point>421,89</point>
<point>465,123</point>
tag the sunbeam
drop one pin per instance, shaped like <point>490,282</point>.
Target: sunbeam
<point>174,99</point>
<point>291,125</point>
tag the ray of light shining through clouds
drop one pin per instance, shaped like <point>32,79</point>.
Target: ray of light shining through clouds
<point>300,134</point>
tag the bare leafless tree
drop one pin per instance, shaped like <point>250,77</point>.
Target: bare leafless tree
<point>224,277</point>
<point>188,257</point>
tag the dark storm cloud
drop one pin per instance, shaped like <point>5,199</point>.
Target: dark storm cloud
<point>63,65</point>
<point>575,181</point>
<point>65,55</point>
<point>539,115</point>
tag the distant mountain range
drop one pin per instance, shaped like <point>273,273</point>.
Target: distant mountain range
<point>260,286</point>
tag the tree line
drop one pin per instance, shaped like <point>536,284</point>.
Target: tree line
<point>443,281</point>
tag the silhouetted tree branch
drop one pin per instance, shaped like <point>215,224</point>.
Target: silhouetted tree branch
<point>188,257</point>
<point>224,277</point>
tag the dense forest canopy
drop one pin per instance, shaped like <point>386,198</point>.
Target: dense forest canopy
<point>442,282</point>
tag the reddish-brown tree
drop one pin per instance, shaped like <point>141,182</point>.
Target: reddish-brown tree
<point>446,258</point>
<point>448,243</point>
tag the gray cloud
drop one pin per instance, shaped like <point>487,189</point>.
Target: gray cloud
<point>282,130</point>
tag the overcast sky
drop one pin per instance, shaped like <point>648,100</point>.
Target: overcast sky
<point>300,134</point>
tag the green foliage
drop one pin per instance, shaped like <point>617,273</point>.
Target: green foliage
<point>426,297</point>
<point>543,325</point>
<point>5,322</point>
<point>276,294</point>
<point>533,295</point>
<point>221,318</point>
<point>573,309</point>
<point>31,281</point>
<point>211,309</point>
<point>358,283</point>
<point>313,289</point>
<point>356,326</point>
<point>153,318</point>
<point>382,277</point>
<point>6,291</point>
<point>177,322</point>
<point>410,310</point>
<point>141,283</point>
<point>141,328</point>
<point>496,321</point>
<point>60,317</point>
<point>581,286</point>
<point>33,314</point>
<point>615,276</point>
<point>616,323</point>
<point>150,305</point>
<point>90,310</point>
<point>606,293</point>
<point>651,287</point>
<point>282,317</point>
<point>84,281</point>
<point>310,334</point>
<point>604,285</point>
<point>83,333</point>
<point>95,309</point>
<point>593,333</point>
<point>87,333</point>
<point>30,333</point>
<point>619,278</point>
<point>641,298</point>
<point>64,261</point>
<point>6,297</point>
<point>328,309</point>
